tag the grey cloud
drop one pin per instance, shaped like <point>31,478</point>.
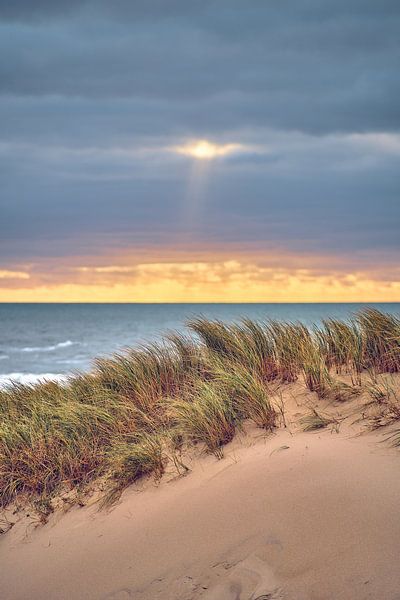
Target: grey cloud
<point>299,195</point>
<point>298,66</point>
<point>291,77</point>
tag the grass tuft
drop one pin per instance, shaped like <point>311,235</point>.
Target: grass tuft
<point>131,459</point>
<point>207,417</point>
<point>381,334</point>
<point>315,420</point>
<point>248,393</point>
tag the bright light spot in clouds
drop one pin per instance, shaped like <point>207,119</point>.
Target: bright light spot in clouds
<point>205,150</point>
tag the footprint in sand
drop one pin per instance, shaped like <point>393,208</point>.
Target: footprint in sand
<point>250,579</point>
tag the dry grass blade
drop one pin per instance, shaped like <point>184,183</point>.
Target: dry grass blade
<point>394,438</point>
<point>315,420</point>
<point>386,403</point>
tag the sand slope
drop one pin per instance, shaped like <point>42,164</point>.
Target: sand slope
<point>317,520</point>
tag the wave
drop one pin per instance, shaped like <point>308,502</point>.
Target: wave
<point>7,379</point>
<point>70,361</point>
<point>48,348</point>
<point>4,356</point>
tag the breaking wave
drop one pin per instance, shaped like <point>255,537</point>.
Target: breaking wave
<point>29,378</point>
<point>48,348</point>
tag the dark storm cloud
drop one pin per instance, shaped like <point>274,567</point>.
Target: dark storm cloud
<point>292,65</point>
<point>86,86</point>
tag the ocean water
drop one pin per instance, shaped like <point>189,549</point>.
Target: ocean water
<point>54,340</point>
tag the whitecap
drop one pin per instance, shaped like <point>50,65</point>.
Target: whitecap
<point>69,361</point>
<point>7,379</point>
<point>48,348</point>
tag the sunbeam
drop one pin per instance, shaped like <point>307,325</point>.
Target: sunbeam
<point>205,150</point>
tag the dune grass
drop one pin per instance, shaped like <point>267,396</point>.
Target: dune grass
<point>135,409</point>
<point>129,459</point>
<point>206,416</point>
<point>248,393</point>
<point>381,335</point>
<point>385,400</point>
<point>342,346</point>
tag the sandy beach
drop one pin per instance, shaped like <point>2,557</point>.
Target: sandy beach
<point>292,515</point>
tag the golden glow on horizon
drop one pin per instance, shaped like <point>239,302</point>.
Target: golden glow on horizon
<point>223,281</point>
<point>205,150</point>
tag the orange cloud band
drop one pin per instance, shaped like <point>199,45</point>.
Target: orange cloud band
<point>224,280</point>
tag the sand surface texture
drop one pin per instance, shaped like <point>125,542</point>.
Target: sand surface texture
<point>309,516</point>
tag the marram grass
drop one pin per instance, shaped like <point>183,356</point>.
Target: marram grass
<point>135,409</point>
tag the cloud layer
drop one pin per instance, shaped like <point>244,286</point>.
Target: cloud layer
<point>95,97</point>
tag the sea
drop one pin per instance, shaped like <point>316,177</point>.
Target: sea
<point>52,341</point>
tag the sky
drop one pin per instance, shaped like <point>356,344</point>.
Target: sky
<point>213,150</point>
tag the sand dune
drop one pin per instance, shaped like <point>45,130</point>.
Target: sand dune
<point>310,516</point>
